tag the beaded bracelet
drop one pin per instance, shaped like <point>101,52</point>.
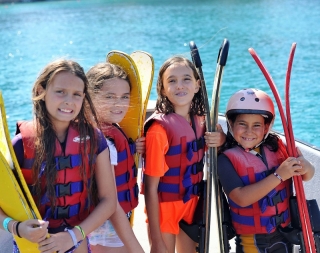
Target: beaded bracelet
<point>81,230</point>
<point>5,223</point>
<point>277,175</point>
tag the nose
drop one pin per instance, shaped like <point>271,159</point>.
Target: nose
<point>68,100</point>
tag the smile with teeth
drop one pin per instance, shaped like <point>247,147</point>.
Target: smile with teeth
<point>248,139</point>
<point>66,110</point>
<point>181,93</point>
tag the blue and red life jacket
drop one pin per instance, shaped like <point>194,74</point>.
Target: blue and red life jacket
<point>126,171</point>
<point>271,211</point>
<point>71,191</point>
<point>184,158</point>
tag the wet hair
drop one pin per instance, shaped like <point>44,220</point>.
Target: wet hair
<point>45,138</point>
<point>271,141</point>
<point>163,104</point>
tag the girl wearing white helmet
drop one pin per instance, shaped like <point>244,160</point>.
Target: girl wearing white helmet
<point>255,172</point>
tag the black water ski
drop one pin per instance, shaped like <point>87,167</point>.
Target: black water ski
<point>205,197</point>
<point>204,208</point>
<point>222,212</point>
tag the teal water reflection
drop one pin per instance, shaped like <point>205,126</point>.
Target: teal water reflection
<point>32,34</point>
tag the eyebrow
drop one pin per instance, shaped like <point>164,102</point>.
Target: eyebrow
<point>173,76</point>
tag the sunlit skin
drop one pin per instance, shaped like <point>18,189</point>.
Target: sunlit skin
<point>64,97</point>
<point>249,130</point>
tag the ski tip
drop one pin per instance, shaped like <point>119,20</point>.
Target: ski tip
<point>195,54</point>
<point>223,53</point>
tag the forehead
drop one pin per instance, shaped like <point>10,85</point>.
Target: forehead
<point>250,118</point>
<point>116,85</point>
<point>67,80</point>
<point>178,69</point>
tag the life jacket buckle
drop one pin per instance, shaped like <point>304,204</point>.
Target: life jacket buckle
<point>135,171</point>
<point>275,199</point>
<point>62,212</point>
<point>64,189</point>
<point>128,196</point>
<point>64,162</point>
<point>127,176</point>
<point>278,219</point>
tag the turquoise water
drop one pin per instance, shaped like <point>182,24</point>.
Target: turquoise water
<point>32,34</point>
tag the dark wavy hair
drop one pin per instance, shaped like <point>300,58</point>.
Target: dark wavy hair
<point>45,138</point>
<point>163,105</point>
<point>271,142</point>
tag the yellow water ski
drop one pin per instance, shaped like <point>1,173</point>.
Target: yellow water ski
<point>131,123</point>
<point>15,198</point>
<point>145,65</point>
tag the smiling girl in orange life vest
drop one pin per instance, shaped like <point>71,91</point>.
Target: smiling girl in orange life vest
<point>255,172</point>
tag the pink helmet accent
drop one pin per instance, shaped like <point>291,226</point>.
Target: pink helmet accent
<point>251,101</point>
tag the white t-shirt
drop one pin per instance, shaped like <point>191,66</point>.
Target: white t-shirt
<point>106,235</point>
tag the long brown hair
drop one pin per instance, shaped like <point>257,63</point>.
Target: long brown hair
<point>45,138</point>
<point>163,105</point>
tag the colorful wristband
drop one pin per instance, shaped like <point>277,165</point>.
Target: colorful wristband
<point>12,230</point>
<point>277,175</point>
<point>73,236</point>
<point>17,229</point>
<point>5,223</point>
<point>81,230</point>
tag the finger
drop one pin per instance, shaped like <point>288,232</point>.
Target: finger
<point>299,151</point>
<point>219,128</point>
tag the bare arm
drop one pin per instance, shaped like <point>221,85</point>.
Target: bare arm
<point>249,194</point>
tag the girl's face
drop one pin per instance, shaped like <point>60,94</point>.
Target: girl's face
<point>179,86</point>
<point>112,101</point>
<point>63,98</point>
<point>249,130</point>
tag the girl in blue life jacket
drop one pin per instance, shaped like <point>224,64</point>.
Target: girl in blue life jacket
<point>62,149</point>
<point>256,174</point>
<point>109,87</point>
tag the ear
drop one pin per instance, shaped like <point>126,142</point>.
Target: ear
<point>198,83</point>
<point>266,128</point>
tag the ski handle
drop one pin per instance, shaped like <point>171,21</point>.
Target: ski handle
<point>223,53</point>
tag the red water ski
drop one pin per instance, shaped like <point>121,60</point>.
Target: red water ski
<point>309,244</point>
